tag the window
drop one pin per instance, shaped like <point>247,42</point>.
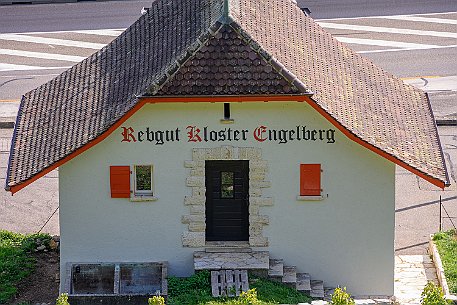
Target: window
<point>227,189</point>
<point>143,180</point>
<point>310,180</point>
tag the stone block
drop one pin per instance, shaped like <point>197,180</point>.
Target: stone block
<point>194,200</point>
<point>193,239</point>
<point>253,209</point>
<point>198,154</point>
<point>257,177</point>
<point>258,165</point>
<point>259,184</point>
<point>231,260</point>
<point>198,226</point>
<point>190,164</point>
<point>259,201</point>
<point>254,192</point>
<point>192,218</point>
<point>197,172</point>
<point>195,181</point>
<point>227,152</point>
<point>197,210</point>
<point>259,219</point>
<point>199,192</point>
<point>250,153</point>
<point>258,241</point>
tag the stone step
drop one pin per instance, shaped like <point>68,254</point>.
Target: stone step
<point>328,291</point>
<point>227,250</point>
<point>231,260</point>
<point>303,282</point>
<point>290,275</point>
<point>276,268</point>
<point>317,289</point>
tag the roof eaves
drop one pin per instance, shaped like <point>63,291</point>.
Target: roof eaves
<point>447,183</point>
<point>13,140</point>
<point>435,180</point>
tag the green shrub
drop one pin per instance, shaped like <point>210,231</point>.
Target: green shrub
<point>433,295</point>
<point>62,299</point>
<point>342,297</point>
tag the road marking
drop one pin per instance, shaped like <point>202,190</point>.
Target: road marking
<point>406,49</point>
<point>52,56</point>
<point>13,67</point>
<point>106,32</point>
<point>421,19</point>
<point>52,41</point>
<point>379,29</point>
<point>384,43</point>
<point>371,17</point>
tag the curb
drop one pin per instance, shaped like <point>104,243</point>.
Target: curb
<point>433,251</point>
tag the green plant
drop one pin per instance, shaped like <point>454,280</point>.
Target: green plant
<point>15,264</point>
<point>249,297</point>
<point>62,299</point>
<point>156,300</point>
<point>433,295</point>
<point>341,297</point>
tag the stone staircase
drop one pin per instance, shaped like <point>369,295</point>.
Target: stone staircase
<point>245,258</point>
<point>300,281</point>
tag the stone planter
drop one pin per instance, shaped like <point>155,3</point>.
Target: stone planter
<point>433,251</point>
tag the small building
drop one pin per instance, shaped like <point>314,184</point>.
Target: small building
<point>217,134</point>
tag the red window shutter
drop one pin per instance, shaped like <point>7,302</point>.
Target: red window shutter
<point>120,181</point>
<point>310,179</point>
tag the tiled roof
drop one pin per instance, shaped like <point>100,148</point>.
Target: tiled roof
<point>220,47</point>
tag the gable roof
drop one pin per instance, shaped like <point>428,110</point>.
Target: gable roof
<point>195,48</point>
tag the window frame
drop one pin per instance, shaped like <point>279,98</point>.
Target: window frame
<point>142,193</point>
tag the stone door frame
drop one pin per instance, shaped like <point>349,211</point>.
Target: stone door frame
<point>194,237</point>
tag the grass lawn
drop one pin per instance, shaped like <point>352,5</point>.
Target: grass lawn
<point>446,242</point>
<point>15,262</point>
<point>196,290</point>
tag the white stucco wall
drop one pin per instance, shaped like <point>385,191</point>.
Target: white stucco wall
<point>347,239</point>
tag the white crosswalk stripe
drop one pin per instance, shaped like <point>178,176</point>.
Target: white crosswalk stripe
<point>421,19</point>
<point>52,41</point>
<point>383,43</point>
<point>14,67</point>
<point>52,56</point>
<point>379,29</point>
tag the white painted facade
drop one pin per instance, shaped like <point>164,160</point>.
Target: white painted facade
<point>345,239</point>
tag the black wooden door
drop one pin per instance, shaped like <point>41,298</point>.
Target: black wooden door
<point>227,201</point>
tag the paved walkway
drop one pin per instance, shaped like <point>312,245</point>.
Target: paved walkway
<point>412,272</point>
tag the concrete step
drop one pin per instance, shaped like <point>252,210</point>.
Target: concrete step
<point>303,282</point>
<point>328,291</point>
<point>227,250</point>
<point>231,260</point>
<point>290,275</point>
<point>317,289</point>
<point>276,268</point>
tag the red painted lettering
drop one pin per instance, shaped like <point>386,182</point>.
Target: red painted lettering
<point>128,135</point>
<point>259,133</point>
<point>193,134</point>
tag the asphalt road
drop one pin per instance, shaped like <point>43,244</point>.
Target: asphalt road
<point>413,39</point>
